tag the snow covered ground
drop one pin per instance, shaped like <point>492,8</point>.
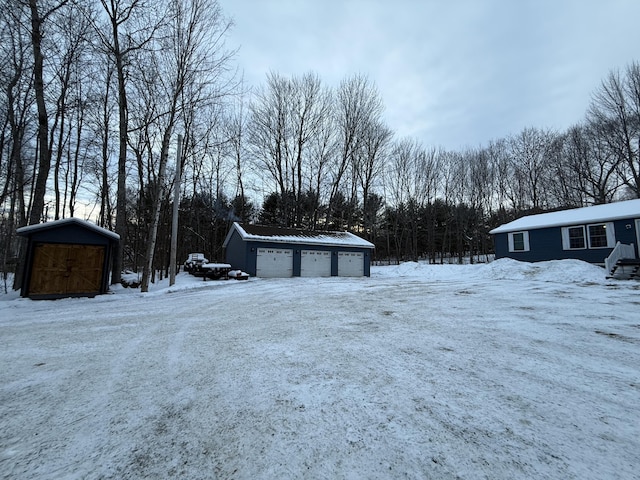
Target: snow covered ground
<point>500,371</point>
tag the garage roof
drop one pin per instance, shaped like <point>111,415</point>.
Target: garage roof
<point>263,233</point>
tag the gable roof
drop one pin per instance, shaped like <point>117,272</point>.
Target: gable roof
<point>263,233</point>
<point>30,229</point>
<point>575,216</point>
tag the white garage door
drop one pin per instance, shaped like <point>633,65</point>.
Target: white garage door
<point>274,262</point>
<point>315,263</point>
<point>350,264</point>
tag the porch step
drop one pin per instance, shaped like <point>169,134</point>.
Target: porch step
<point>626,268</point>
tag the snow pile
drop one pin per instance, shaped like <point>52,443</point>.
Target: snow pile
<point>238,274</point>
<point>561,271</point>
<point>501,371</point>
<point>130,279</point>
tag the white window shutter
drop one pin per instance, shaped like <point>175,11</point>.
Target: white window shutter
<point>566,245</point>
<point>611,235</point>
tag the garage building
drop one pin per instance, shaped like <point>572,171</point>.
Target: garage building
<point>67,258</point>
<point>263,251</point>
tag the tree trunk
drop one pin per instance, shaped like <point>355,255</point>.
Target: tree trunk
<point>123,121</point>
<point>37,207</point>
<point>157,203</point>
<point>174,218</point>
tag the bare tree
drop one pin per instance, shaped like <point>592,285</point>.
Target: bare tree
<point>17,89</point>
<point>269,130</point>
<point>531,160</point>
<point>235,125</point>
<point>101,120</point>
<point>286,117</point>
<point>588,171</point>
<point>38,19</point>
<point>410,183</point>
<point>615,114</point>
<point>192,55</point>
<point>309,111</point>
<point>358,105</point>
<point>70,61</point>
<point>16,103</point>
<point>369,163</point>
<point>322,151</point>
<point>125,36</point>
<point>497,153</point>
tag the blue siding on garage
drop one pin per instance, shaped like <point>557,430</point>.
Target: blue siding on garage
<point>242,254</point>
<point>243,241</point>
<point>235,254</point>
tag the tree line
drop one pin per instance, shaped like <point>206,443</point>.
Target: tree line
<point>94,94</point>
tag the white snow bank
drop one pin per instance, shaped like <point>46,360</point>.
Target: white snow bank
<point>562,271</point>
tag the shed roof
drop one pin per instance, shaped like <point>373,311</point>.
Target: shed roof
<point>575,216</point>
<point>30,229</point>
<point>263,233</point>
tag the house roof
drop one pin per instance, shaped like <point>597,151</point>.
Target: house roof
<point>290,235</point>
<point>576,216</point>
<point>30,229</point>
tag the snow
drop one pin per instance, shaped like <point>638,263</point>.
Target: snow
<point>594,214</point>
<point>67,221</point>
<point>502,370</point>
<point>239,274</point>
<point>337,239</point>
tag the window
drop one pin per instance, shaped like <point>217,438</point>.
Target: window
<point>519,242</point>
<point>601,235</point>
<point>580,237</point>
<point>576,238</point>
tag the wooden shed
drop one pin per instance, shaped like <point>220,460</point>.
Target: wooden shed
<point>67,258</point>
<point>264,251</point>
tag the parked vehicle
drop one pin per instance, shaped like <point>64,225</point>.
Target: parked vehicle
<point>194,261</point>
<point>198,265</point>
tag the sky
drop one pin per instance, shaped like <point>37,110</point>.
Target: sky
<point>451,73</point>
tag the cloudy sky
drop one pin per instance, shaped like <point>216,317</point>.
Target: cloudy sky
<point>452,73</point>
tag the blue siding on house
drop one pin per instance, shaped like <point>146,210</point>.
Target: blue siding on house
<point>626,232</point>
<point>546,244</point>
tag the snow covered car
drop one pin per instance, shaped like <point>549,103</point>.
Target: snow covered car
<point>194,261</point>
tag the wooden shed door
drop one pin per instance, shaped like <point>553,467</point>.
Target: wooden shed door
<point>60,269</point>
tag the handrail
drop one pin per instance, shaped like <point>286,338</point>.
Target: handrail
<point>620,251</point>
